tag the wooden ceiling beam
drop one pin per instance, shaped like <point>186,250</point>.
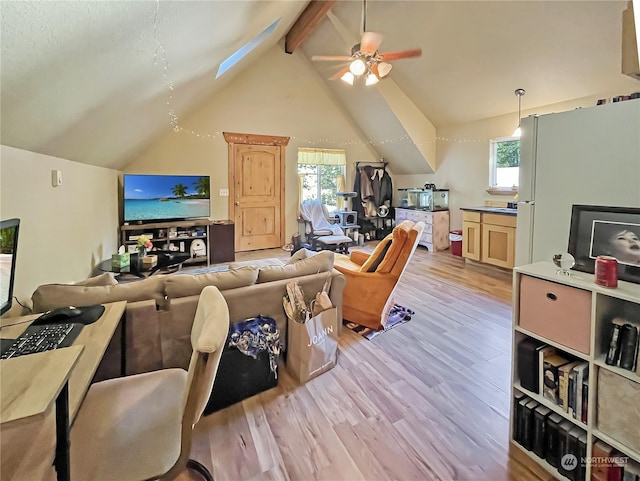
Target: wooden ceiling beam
<point>306,23</point>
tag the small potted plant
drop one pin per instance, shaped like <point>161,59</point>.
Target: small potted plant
<point>144,244</point>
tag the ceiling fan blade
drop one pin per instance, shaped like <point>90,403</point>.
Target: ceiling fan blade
<point>339,73</point>
<point>370,42</point>
<point>416,52</point>
<point>330,58</point>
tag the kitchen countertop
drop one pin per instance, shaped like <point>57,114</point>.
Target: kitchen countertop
<point>492,210</point>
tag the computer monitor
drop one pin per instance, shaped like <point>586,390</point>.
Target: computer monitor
<point>8,247</point>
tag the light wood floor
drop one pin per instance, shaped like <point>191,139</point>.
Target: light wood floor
<point>428,400</point>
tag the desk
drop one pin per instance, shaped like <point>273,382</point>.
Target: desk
<point>30,385</point>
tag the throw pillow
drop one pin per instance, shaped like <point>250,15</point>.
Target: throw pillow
<point>376,257</point>
<point>298,256</point>
<point>400,235</point>
<point>321,262</point>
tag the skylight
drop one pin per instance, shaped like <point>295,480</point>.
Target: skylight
<point>245,49</point>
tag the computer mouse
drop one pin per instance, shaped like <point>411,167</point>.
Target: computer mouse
<point>60,314</point>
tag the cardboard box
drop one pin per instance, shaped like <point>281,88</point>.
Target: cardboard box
<point>149,261</point>
<point>120,260</point>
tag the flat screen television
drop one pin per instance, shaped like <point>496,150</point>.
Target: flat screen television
<point>149,198</point>
<point>8,255</point>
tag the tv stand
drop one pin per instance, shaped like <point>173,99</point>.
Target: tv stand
<point>196,237</point>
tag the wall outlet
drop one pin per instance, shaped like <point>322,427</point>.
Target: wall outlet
<point>224,192</point>
<point>56,177</point>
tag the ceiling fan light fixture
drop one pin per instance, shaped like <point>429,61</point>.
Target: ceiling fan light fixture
<point>519,93</point>
<point>357,67</point>
<point>348,77</point>
<point>371,79</point>
<point>384,68</point>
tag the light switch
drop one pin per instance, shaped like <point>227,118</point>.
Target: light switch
<point>224,192</point>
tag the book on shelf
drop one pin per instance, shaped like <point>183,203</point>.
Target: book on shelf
<point>540,415</point>
<point>585,401</point>
<point>551,450</point>
<point>628,346</point>
<point>564,374</point>
<point>517,411</point>
<point>544,352</point>
<point>527,424</point>
<point>582,374</point>
<point>563,448</point>
<point>573,447</point>
<point>571,395</point>
<point>550,374</point>
<point>613,351</point>
<point>582,456</point>
<point>520,421</point>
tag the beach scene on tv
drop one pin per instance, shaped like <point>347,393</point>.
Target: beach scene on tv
<point>157,197</point>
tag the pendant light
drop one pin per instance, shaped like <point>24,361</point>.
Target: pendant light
<point>519,93</point>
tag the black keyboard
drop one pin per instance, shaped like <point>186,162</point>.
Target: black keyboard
<point>43,338</point>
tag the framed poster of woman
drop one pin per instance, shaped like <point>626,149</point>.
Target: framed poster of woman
<point>610,231</point>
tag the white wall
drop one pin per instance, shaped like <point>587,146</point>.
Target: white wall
<point>463,158</point>
<point>65,231</point>
<point>264,99</point>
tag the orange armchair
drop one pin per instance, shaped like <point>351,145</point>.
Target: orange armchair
<point>372,279</point>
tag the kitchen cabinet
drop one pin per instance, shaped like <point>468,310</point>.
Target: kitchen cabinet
<point>435,236</point>
<point>498,239</point>
<point>489,237</point>
<point>471,235</point>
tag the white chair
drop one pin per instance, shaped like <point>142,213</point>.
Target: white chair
<point>139,427</point>
<point>322,233</point>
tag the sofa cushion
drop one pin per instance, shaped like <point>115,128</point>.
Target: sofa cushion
<point>50,296</point>
<point>192,285</point>
<point>259,263</point>
<point>104,279</point>
<point>400,236</point>
<point>321,262</point>
<point>376,257</point>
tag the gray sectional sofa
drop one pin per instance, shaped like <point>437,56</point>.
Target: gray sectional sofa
<point>161,308</point>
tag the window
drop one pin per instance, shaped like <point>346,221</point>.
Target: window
<point>246,48</point>
<point>504,164</point>
<point>321,173</point>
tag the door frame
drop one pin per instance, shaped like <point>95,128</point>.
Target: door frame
<point>234,138</point>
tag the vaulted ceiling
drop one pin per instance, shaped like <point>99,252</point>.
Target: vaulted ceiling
<point>86,80</point>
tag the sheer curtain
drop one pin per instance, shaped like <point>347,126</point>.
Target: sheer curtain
<point>322,157</point>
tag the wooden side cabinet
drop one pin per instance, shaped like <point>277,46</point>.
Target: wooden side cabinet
<point>498,240</point>
<point>435,236</point>
<point>471,235</point>
<point>221,241</point>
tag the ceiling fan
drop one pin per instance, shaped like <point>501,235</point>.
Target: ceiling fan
<point>365,59</point>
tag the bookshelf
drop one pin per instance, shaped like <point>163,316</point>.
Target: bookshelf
<point>215,239</point>
<point>546,303</point>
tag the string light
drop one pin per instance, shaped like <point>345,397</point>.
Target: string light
<point>160,56</point>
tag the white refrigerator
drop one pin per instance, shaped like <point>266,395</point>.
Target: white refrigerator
<point>585,156</point>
